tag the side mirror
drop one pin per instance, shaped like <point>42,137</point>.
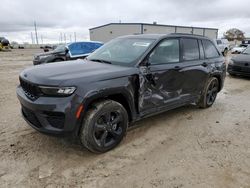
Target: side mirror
<point>146,61</point>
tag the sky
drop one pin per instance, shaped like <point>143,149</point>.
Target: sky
<point>68,16</point>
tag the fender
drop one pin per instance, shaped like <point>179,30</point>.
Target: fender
<point>122,89</point>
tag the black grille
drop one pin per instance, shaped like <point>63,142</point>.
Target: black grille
<point>56,122</point>
<point>31,117</point>
<point>55,119</point>
<point>32,91</point>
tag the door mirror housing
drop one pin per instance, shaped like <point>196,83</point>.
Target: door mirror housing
<point>146,62</point>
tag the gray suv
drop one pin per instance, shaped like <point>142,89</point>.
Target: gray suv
<point>127,79</point>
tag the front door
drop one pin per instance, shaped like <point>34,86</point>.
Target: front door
<point>161,81</point>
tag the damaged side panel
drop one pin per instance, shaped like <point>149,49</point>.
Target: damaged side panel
<point>159,88</point>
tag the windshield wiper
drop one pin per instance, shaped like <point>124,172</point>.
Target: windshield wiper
<point>100,60</point>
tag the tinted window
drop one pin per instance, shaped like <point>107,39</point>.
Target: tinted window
<point>190,49</point>
<point>122,51</point>
<point>166,52</point>
<point>210,50</point>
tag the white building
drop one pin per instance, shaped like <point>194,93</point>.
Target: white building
<point>109,31</point>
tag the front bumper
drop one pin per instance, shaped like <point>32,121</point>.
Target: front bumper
<point>238,70</point>
<point>51,115</point>
<point>37,62</point>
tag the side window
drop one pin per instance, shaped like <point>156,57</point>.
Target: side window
<point>190,49</point>
<point>202,54</point>
<point>210,49</point>
<point>166,52</point>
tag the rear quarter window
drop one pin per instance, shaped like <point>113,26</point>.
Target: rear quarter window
<point>210,49</point>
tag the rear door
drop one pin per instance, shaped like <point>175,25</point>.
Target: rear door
<point>161,82</point>
<point>195,69</point>
<point>213,59</point>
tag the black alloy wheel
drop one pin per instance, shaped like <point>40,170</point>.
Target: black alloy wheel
<point>209,93</point>
<point>212,92</point>
<point>108,128</point>
<point>104,126</point>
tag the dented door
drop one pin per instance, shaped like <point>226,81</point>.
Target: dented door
<point>161,82</point>
<point>161,86</point>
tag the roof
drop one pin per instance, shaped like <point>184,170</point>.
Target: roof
<point>151,25</point>
<point>158,36</point>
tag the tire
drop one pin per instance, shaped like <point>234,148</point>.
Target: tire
<point>104,126</point>
<point>57,60</point>
<point>210,93</point>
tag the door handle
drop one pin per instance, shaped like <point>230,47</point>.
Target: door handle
<point>204,64</point>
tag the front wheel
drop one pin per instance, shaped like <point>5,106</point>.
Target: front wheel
<point>210,93</point>
<point>104,126</point>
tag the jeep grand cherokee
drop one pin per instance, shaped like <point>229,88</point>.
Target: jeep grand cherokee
<point>125,80</point>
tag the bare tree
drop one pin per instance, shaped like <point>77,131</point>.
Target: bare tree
<point>234,34</point>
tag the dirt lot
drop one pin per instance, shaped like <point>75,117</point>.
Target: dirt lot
<point>187,147</point>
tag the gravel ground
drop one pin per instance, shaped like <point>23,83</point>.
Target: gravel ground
<point>186,147</point>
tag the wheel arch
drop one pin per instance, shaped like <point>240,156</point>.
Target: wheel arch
<point>119,97</point>
<point>122,97</point>
<point>219,80</point>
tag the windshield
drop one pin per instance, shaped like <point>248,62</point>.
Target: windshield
<point>121,51</point>
<point>247,51</point>
<point>60,48</point>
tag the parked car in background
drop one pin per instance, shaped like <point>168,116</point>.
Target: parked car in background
<point>46,48</point>
<point>239,48</point>
<point>127,79</point>
<point>4,44</point>
<point>67,52</point>
<point>223,45</point>
<point>240,64</point>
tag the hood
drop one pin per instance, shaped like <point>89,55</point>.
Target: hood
<point>48,53</point>
<point>241,59</point>
<point>72,72</point>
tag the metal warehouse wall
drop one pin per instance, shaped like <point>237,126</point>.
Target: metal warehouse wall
<point>110,31</point>
<point>106,33</point>
<point>150,29</point>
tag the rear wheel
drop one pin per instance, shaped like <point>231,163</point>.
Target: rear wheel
<point>104,126</point>
<point>210,93</point>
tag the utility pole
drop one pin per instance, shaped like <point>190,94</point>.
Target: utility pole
<point>42,39</point>
<point>70,38</point>
<point>32,39</point>
<point>65,38</point>
<point>36,32</point>
<point>75,36</point>
<point>61,38</point>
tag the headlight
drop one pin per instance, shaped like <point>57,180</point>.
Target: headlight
<point>57,91</point>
